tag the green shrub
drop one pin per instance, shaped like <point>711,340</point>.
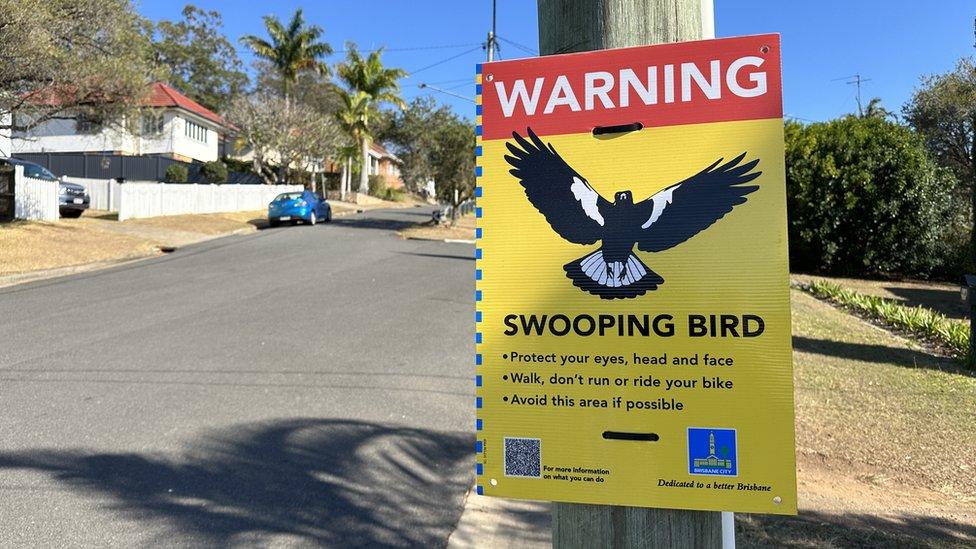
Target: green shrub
<point>236,165</point>
<point>865,198</point>
<point>333,181</point>
<point>925,323</point>
<point>177,173</point>
<point>395,195</point>
<point>377,185</point>
<point>214,172</point>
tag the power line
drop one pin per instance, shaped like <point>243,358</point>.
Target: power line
<point>442,61</point>
<point>418,48</point>
<point>459,96</point>
<point>454,81</point>
<point>798,117</point>
<point>468,82</point>
<point>526,49</point>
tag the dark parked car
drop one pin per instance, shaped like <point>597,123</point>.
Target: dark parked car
<point>73,197</point>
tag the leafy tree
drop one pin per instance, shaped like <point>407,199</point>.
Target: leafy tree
<point>864,198</point>
<point>943,110</point>
<point>453,163</point>
<point>291,136</point>
<point>413,134</point>
<point>434,143</point>
<point>69,57</point>
<point>177,173</point>
<point>199,59</point>
<point>369,83</point>
<point>311,88</point>
<point>214,172</point>
<point>292,50</point>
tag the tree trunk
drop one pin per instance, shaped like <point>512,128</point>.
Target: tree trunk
<point>584,25</point>
<point>364,175</point>
<point>257,163</point>
<point>349,173</point>
<point>342,180</point>
<point>455,203</point>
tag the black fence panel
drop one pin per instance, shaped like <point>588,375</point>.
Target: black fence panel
<point>130,168</point>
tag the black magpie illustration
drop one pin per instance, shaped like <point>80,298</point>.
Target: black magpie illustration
<point>578,213</point>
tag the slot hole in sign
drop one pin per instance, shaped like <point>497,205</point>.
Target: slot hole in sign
<point>619,128</point>
<point>764,49</point>
<point>620,435</point>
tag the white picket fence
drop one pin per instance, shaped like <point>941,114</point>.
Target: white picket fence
<point>104,193</point>
<point>35,199</point>
<point>155,199</point>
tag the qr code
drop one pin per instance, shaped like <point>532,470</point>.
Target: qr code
<point>523,457</point>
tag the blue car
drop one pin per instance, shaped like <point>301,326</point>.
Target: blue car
<point>299,206</point>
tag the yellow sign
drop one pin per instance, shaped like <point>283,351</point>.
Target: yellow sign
<point>632,303</point>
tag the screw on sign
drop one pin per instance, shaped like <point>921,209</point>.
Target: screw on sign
<point>633,320</point>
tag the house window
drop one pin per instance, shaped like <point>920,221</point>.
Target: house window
<point>152,123</point>
<point>195,131</point>
<point>87,124</point>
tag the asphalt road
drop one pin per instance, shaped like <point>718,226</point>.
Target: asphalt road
<point>296,386</point>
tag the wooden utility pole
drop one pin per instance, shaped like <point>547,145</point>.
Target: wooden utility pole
<point>567,26</point>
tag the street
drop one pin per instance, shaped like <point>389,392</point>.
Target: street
<point>295,386</point>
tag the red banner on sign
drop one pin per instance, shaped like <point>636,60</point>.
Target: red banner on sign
<point>684,83</point>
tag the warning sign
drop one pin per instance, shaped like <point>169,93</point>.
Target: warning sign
<point>632,303</point>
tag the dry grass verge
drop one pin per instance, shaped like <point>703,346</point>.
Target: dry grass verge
<point>98,237</point>
<point>28,246</point>
<point>462,230</point>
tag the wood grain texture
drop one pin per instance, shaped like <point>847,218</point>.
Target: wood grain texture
<point>567,26</point>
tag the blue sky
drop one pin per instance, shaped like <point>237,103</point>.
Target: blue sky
<point>892,42</point>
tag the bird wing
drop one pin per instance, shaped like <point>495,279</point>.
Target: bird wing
<point>571,206</point>
<point>681,211</point>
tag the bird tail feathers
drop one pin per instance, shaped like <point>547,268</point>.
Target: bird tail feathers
<point>613,279</point>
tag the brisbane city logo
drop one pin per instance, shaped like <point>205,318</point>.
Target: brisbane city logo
<point>579,214</point>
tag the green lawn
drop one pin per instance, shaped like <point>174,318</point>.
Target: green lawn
<point>886,441</point>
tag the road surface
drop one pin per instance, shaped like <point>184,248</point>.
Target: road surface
<point>296,386</point>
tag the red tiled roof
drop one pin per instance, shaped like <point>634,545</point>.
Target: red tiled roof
<point>382,151</point>
<point>164,95</point>
<point>160,95</point>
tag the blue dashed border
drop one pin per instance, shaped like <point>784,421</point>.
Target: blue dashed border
<point>478,276</point>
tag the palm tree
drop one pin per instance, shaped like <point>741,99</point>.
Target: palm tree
<point>875,110</point>
<point>376,84</point>
<point>354,121</point>
<point>292,49</point>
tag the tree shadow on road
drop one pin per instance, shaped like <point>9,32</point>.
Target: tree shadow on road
<point>388,221</point>
<point>332,482</point>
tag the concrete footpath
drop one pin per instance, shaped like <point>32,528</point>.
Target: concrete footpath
<point>497,522</point>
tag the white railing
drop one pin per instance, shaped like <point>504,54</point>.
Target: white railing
<point>157,199</point>
<point>35,199</point>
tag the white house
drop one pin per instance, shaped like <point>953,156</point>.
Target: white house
<point>170,124</point>
<point>6,145</point>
